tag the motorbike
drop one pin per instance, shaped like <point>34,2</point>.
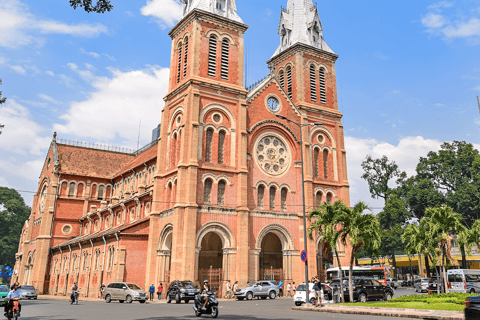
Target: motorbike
<point>14,313</point>
<point>74,298</point>
<point>211,307</point>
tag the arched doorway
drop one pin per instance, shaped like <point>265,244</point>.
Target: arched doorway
<point>210,260</point>
<point>324,260</point>
<point>164,253</point>
<point>271,258</point>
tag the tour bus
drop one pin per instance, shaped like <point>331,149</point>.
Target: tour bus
<point>463,280</point>
<point>378,273</point>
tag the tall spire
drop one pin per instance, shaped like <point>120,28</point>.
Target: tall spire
<point>223,8</point>
<point>300,23</point>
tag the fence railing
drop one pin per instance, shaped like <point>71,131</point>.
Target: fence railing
<point>106,147</point>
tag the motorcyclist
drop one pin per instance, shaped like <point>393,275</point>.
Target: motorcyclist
<point>206,289</point>
<point>74,291</point>
<point>14,294</point>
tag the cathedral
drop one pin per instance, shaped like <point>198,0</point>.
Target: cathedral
<point>218,194</point>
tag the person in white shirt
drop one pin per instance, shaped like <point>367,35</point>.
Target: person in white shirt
<point>14,294</point>
<point>228,289</point>
<point>235,287</point>
<point>289,289</point>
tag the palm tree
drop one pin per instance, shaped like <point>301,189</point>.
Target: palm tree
<point>359,230</point>
<point>470,237</point>
<point>328,225</point>
<point>444,223</point>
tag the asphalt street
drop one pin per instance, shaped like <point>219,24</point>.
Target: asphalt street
<point>49,309</point>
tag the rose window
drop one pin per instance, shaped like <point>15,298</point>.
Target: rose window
<point>272,155</point>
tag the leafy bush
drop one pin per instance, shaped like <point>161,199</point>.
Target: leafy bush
<point>410,305</point>
<point>455,298</point>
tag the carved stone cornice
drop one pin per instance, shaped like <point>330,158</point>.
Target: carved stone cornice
<point>300,47</point>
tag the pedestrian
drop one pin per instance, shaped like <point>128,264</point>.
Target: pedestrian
<point>152,291</point>
<point>160,290</point>
<point>317,287</point>
<point>280,289</point>
<point>102,289</point>
<point>294,288</point>
<point>289,288</point>
<point>227,286</point>
<point>235,287</point>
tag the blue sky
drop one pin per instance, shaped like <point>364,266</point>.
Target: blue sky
<point>408,75</point>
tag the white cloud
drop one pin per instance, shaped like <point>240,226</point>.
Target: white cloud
<point>2,61</point>
<point>19,69</point>
<point>165,12</point>
<point>440,5</point>
<point>395,91</point>
<point>463,29</point>
<point>117,106</point>
<point>28,170</point>
<point>18,26</point>
<point>84,74</point>
<point>21,134</point>
<point>432,20</point>
<point>50,73</point>
<point>48,98</point>
<point>66,80</point>
<point>92,54</point>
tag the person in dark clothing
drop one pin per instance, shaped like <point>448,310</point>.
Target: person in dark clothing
<point>14,294</point>
<point>152,291</point>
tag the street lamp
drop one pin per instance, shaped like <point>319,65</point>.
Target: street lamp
<point>303,197</point>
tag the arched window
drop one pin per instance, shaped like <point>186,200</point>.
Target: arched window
<point>74,262</point>
<point>289,82</point>
<point>185,58</point>
<point>313,84</point>
<point>173,150</point>
<point>225,57</point>
<point>111,256</point>
<point>85,259</point>
<point>132,214</point>
<point>212,56</point>
<point>207,192</point>
<point>179,62</point>
<point>284,199</point>
<point>315,162</point>
<point>261,191</point>
<point>272,198</point>
<point>101,191</point>
<point>323,96</point>
<point>318,199</point>
<point>65,265</point>
<point>221,143</point>
<point>325,163</point>
<point>282,79</point>
<point>221,193</point>
<point>80,190</point>
<point>208,146</point>
<point>329,198</point>
<point>55,266</point>
<point>97,259</point>
<point>71,190</point>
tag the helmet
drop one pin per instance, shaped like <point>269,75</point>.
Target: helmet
<point>206,281</point>
<point>16,284</point>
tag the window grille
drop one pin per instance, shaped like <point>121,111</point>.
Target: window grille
<point>221,142</point>
<point>179,62</point>
<point>185,58</point>
<point>221,193</point>
<point>318,199</point>
<point>212,57</point>
<point>207,191</point>
<point>272,198</point>
<point>111,255</point>
<point>284,199</point>
<point>325,163</point>
<point>282,80</point>
<point>71,190</point>
<point>261,191</point>
<point>329,198</point>
<point>315,161</point>
<point>74,262</point>
<point>100,192</point>
<point>85,258</point>
<point>208,147</point>
<point>289,82</point>
<point>313,84</point>
<point>225,56</point>
<point>323,97</point>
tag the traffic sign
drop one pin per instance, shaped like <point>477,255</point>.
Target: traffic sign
<point>303,255</point>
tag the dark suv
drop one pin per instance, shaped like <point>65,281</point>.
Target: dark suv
<point>181,290</point>
<point>364,289</point>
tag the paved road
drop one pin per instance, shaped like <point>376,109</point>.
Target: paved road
<point>279,309</point>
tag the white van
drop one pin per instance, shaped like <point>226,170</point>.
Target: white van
<point>464,280</point>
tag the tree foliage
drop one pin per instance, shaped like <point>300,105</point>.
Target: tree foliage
<point>100,6</point>
<point>13,213</point>
<point>378,174</point>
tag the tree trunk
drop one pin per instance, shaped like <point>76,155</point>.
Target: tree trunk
<point>444,274</point>
<point>438,280</point>
<point>350,276</point>
<point>427,266</point>
<point>464,257</point>
<point>340,272</point>
<point>394,264</point>
<point>411,270</point>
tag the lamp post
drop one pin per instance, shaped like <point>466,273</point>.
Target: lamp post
<point>303,198</point>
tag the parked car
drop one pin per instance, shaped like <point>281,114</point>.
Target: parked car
<point>261,289</point>
<point>123,291</point>
<point>179,291</point>
<point>464,280</point>
<point>300,296</point>
<point>433,283</point>
<point>421,284</point>
<point>472,308</point>
<point>365,289</point>
<point>392,282</point>
<point>3,294</point>
<point>28,292</point>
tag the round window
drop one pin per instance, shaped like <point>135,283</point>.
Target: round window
<point>67,229</point>
<point>217,118</point>
<point>321,138</point>
<point>179,119</point>
<point>272,154</point>
<point>273,104</point>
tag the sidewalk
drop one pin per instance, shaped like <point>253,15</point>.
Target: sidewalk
<point>388,312</point>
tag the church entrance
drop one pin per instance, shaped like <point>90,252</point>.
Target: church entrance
<point>210,262</point>
<point>271,258</point>
<point>324,260</point>
<point>164,254</point>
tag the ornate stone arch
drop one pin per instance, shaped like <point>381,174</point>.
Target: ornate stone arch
<point>221,229</point>
<point>224,177</point>
<point>280,231</point>
<point>286,186</point>
<point>261,183</point>
<point>333,149</point>
<point>166,231</point>
<point>175,113</point>
<point>209,176</point>
<point>213,32</point>
<point>230,39</point>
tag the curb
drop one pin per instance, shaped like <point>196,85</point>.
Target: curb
<point>400,313</point>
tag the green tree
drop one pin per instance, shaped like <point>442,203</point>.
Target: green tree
<point>100,6</point>
<point>327,223</point>
<point>378,173</point>
<point>470,237</point>
<point>417,242</point>
<point>358,230</point>
<point>13,213</point>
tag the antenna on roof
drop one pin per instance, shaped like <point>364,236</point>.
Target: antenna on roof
<point>138,141</point>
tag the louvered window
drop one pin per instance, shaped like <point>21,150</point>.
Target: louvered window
<point>313,84</point>
<point>284,199</point>
<point>179,62</point>
<point>329,198</point>
<point>289,82</point>
<point>272,198</point>
<point>318,199</point>
<point>71,190</point>
<point>261,191</point>
<point>185,58</point>
<point>325,163</point>
<point>323,97</point>
<point>207,192</point>
<point>221,193</point>
<point>225,57</point>
<point>221,142</point>
<point>282,80</point>
<point>315,161</point>
<point>212,57</point>
<point>208,146</point>
<point>101,191</point>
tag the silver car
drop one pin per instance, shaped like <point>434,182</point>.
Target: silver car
<point>421,284</point>
<point>260,289</point>
<point>123,291</point>
<point>28,292</point>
